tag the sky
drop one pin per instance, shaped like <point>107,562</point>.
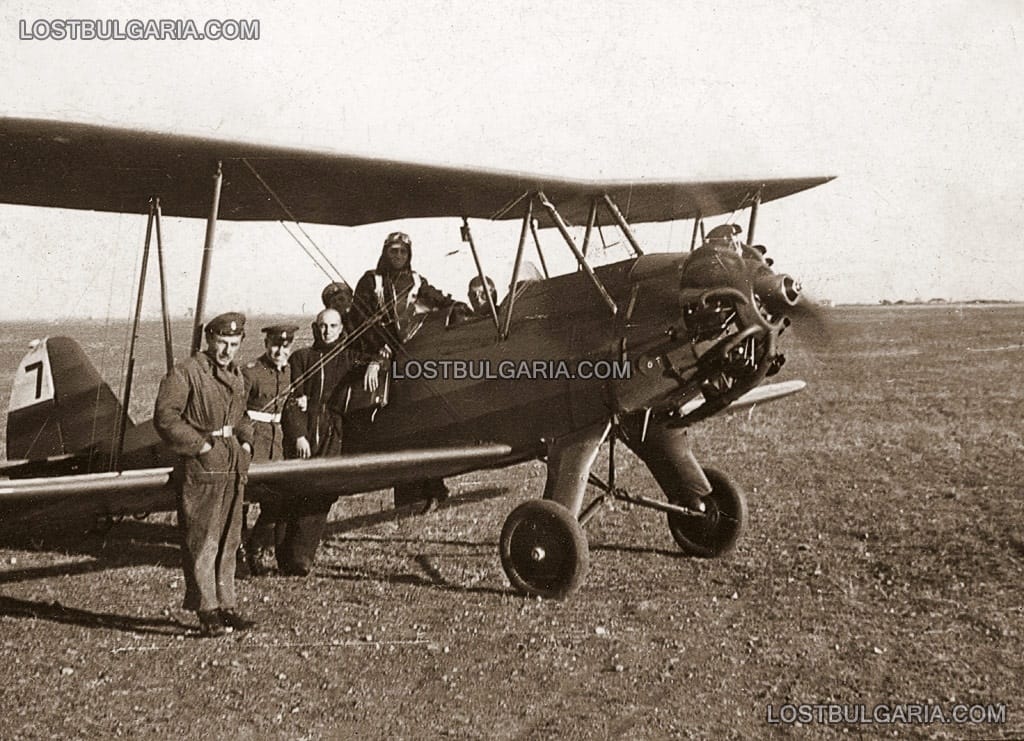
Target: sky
<point>916,107</point>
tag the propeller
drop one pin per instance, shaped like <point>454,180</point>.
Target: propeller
<point>811,322</point>
<point>782,295</point>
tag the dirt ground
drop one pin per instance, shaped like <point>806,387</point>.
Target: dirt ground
<point>881,567</point>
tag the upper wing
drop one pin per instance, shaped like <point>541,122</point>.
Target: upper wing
<point>74,165</point>
<point>64,499</point>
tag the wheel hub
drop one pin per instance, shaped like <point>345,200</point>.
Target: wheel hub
<point>543,549</point>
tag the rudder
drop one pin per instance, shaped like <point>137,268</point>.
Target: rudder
<point>59,404</point>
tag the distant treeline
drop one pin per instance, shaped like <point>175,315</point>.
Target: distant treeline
<point>920,302</point>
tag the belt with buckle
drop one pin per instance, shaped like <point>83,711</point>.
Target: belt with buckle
<point>225,431</point>
<point>263,416</point>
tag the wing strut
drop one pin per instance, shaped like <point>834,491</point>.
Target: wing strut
<point>753,216</point>
<point>623,225</point>
<point>591,218</point>
<point>211,227</point>
<point>527,217</point>
<point>536,243</point>
<point>122,424</point>
<point>467,236</point>
<point>580,259</point>
<point>168,343</point>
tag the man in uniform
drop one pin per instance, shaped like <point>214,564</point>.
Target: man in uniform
<point>313,428</point>
<point>268,383</point>
<point>385,300</point>
<point>200,414</point>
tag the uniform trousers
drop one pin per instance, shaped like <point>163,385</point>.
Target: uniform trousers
<point>210,518</point>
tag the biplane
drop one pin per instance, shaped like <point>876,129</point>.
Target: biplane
<point>698,332</point>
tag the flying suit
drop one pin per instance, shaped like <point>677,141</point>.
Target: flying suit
<point>199,402</point>
<point>385,300</point>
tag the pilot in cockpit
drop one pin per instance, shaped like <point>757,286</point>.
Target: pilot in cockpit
<point>386,301</point>
<point>478,295</point>
<point>724,235</point>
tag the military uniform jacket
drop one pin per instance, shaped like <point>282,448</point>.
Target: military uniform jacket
<point>196,398</point>
<point>267,392</point>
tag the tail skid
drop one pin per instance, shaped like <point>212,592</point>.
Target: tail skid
<point>60,406</point>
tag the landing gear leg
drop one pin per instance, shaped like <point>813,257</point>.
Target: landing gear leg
<point>570,459</point>
<point>666,451</point>
<point>543,547</point>
<point>717,508</point>
<point>716,532</point>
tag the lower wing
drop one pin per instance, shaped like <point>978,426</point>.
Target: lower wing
<point>62,500</point>
<point>759,395</point>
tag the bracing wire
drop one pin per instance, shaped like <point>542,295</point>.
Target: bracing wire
<point>293,218</point>
<point>371,320</point>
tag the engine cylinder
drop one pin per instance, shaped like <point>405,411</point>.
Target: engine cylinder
<point>777,292</point>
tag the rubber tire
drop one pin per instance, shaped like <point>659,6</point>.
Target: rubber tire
<point>549,525</point>
<point>724,520</point>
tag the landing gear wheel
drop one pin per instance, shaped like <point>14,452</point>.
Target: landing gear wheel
<point>715,532</point>
<point>544,550</point>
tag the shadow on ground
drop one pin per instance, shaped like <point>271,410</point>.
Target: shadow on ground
<point>358,522</point>
<point>124,544</point>
<point>58,613</point>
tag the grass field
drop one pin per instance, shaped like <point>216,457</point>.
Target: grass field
<point>882,564</point>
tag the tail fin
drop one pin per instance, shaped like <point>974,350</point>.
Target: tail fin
<point>59,404</point>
